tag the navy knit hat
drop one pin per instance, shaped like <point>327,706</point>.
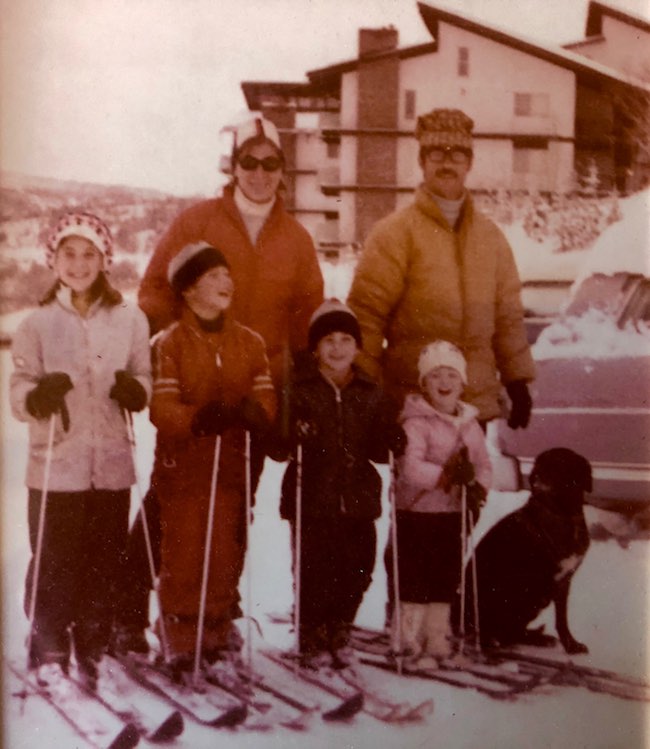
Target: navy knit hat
<point>191,263</point>
<point>333,317</point>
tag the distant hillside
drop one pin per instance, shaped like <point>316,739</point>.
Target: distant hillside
<point>30,205</point>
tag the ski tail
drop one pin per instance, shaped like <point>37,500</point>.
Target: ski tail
<point>169,729</point>
<point>346,710</point>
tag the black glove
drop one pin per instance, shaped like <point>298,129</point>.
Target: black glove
<point>475,497</point>
<point>253,417</point>
<point>213,418</point>
<point>48,397</point>
<point>457,470</point>
<point>397,440</point>
<point>521,404</point>
<point>128,392</point>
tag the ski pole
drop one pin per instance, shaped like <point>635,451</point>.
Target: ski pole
<point>206,559</point>
<point>164,642</point>
<point>397,612</point>
<point>249,573</point>
<point>463,577</point>
<point>298,550</point>
<point>477,627</point>
<point>39,535</point>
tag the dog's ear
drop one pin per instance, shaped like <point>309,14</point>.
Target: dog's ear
<point>561,467</point>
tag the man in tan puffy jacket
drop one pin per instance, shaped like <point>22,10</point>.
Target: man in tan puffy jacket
<point>439,269</point>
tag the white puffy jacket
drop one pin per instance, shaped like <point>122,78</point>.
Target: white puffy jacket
<point>95,452</point>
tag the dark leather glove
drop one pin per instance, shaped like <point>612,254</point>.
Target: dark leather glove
<point>476,496</point>
<point>128,392</point>
<point>48,397</point>
<point>457,470</point>
<point>213,418</point>
<point>521,404</point>
<point>253,417</point>
<point>397,440</point>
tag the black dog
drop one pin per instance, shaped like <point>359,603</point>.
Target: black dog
<point>527,560</point>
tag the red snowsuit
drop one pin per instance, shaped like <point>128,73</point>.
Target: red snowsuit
<point>191,368</point>
<point>278,283</point>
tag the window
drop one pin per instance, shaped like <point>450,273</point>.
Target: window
<point>333,148</point>
<point>409,105</point>
<point>531,105</point>
<point>463,62</point>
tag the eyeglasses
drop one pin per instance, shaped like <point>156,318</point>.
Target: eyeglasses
<point>456,155</point>
<point>270,164</point>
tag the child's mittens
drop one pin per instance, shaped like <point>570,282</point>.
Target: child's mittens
<point>48,397</point>
<point>397,440</point>
<point>253,417</point>
<point>457,471</point>
<point>128,392</point>
<point>476,497</point>
<point>213,418</point>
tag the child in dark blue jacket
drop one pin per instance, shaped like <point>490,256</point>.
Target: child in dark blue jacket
<point>343,422</point>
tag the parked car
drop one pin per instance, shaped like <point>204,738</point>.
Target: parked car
<point>592,390</point>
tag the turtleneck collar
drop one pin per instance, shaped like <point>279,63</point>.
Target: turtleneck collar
<point>249,208</point>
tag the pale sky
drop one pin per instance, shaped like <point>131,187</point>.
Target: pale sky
<point>136,92</point>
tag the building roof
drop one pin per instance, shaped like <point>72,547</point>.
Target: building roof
<point>596,12</point>
<point>582,66</point>
<point>432,15</point>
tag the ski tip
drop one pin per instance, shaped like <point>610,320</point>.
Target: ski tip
<point>169,729</point>
<point>421,711</point>
<point>127,738</point>
<point>347,709</point>
<point>232,717</point>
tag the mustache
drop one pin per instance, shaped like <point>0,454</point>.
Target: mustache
<point>444,172</point>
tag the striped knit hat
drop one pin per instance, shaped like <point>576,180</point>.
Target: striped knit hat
<point>81,224</point>
<point>191,263</point>
<point>259,127</point>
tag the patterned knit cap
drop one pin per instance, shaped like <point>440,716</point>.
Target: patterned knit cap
<point>443,128</point>
<point>81,224</point>
<point>442,354</point>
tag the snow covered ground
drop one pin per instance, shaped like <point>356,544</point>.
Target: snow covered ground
<point>609,611</point>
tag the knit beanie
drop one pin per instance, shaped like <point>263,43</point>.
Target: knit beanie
<point>81,224</point>
<point>442,354</point>
<point>191,263</point>
<point>333,317</point>
<point>445,128</point>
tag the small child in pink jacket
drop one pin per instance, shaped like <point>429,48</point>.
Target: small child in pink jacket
<point>446,450</point>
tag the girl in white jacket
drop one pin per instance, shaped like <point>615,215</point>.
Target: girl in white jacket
<point>81,360</point>
<point>445,450</point>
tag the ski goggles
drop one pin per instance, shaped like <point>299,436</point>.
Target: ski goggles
<point>270,164</point>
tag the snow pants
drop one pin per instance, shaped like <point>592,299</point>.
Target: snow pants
<point>429,556</point>
<point>82,554</point>
<point>136,585</point>
<point>337,560</point>
<point>184,521</point>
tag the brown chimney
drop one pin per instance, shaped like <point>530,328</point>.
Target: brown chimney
<point>372,41</point>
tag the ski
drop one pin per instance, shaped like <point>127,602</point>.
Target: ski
<point>402,712</point>
<point>461,667</point>
<point>559,669</point>
<point>269,705</point>
<point>347,702</point>
<point>203,703</point>
<point>98,729</point>
<point>120,694</point>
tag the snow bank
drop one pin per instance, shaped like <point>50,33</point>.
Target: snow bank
<point>624,245</point>
<point>593,335</point>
